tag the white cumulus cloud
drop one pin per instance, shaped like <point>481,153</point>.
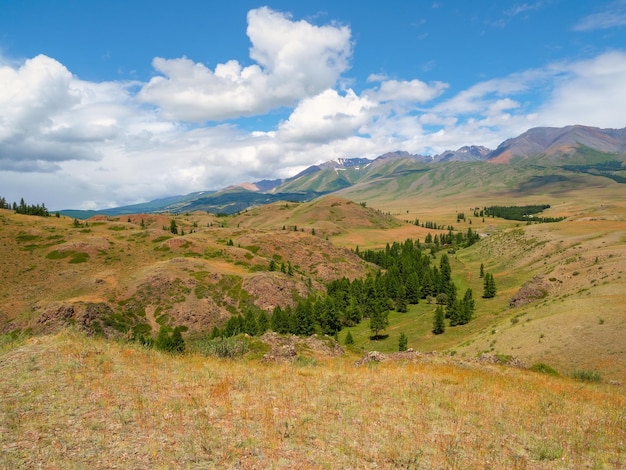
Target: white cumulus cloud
<point>589,92</point>
<point>326,117</point>
<point>294,60</point>
<point>48,116</point>
<point>413,91</point>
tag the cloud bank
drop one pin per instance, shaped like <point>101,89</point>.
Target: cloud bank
<point>81,144</point>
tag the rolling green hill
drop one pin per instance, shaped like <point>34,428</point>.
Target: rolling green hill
<point>131,274</point>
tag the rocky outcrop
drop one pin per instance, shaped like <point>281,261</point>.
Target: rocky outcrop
<point>532,290</point>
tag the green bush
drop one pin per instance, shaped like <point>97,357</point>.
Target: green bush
<point>587,376</point>
<point>76,257</point>
<point>543,369</point>
<point>79,258</point>
<point>55,254</point>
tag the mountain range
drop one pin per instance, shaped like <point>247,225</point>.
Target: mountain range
<point>566,150</point>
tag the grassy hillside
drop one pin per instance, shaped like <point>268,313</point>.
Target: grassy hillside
<point>130,274</point>
<point>578,320</point>
<point>67,401</point>
<point>327,216</point>
<point>579,264</point>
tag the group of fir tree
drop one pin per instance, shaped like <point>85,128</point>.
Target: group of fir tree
<point>489,283</point>
<point>407,275</point>
<point>461,312</point>
<point>23,208</point>
<point>284,268</point>
<point>458,239</point>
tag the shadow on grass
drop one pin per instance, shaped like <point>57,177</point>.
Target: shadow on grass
<point>378,337</point>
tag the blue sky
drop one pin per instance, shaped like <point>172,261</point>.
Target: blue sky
<point>110,103</point>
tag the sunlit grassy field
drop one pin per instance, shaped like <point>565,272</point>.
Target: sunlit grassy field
<point>68,401</point>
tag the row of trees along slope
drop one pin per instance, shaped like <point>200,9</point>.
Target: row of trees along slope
<point>23,208</point>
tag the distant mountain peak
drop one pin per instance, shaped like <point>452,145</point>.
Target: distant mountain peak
<point>345,163</point>
<point>467,153</point>
<point>559,140</point>
<point>404,154</point>
<point>246,186</point>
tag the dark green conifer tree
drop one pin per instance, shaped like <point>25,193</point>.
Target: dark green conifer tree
<point>234,326</point>
<point>401,302</point>
<point>453,312</point>
<point>402,342</point>
<point>173,227</point>
<point>263,322</point>
<point>467,307</point>
<point>379,320</point>
<point>353,314</point>
<point>413,288</point>
<point>439,324</point>
<point>489,286</point>
<point>349,339</point>
<point>279,321</point>
<point>445,269</point>
<point>170,340</point>
<point>250,326</point>
<point>215,333</point>
<point>304,323</point>
<point>331,322</point>
<point>177,343</point>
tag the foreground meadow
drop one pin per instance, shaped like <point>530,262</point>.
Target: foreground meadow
<point>68,401</point>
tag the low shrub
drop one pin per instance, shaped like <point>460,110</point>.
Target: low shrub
<point>543,369</point>
<point>229,348</point>
<point>587,376</point>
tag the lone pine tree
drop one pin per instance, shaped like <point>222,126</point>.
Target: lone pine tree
<point>349,339</point>
<point>489,287</point>
<point>439,325</point>
<point>379,320</point>
<point>402,342</point>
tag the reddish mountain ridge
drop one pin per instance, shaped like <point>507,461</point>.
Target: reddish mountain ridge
<point>559,140</point>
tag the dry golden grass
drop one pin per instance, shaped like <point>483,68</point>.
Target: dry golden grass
<point>67,401</point>
<point>570,335</point>
<point>328,215</point>
<point>581,323</point>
